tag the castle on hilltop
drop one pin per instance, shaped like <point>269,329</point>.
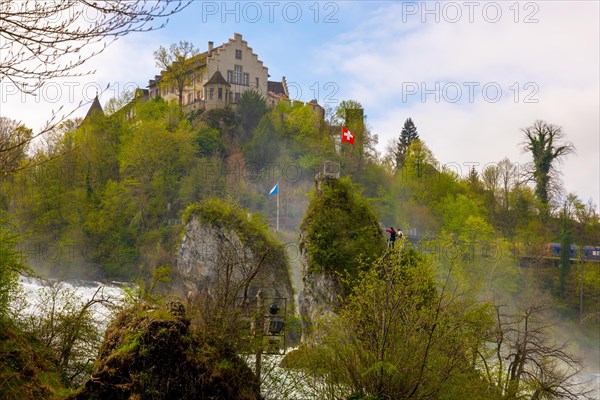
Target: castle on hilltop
<point>220,76</point>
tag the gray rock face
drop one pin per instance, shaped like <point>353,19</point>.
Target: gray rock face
<point>320,297</point>
<point>212,258</point>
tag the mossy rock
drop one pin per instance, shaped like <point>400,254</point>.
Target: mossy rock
<point>339,229</point>
<point>28,370</point>
<point>252,228</point>
<point>149,352</point>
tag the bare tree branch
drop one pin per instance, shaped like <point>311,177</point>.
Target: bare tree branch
<point>41,40</point>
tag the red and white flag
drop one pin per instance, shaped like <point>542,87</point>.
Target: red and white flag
<point>347,136</point>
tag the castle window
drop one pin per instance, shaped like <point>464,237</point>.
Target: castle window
<point>238,54</point>
<point>211,93</point>
<point>257,83</point>
<point>238,74</point>
<point>190,98</point>
<point>237,97</point>
<point>220,91</point>
<point>246,79</point>
<point>230,76</point>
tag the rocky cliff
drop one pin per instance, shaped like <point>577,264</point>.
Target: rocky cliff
<point>227,249</point>
<point>339,233</point>
<point>320,296</point>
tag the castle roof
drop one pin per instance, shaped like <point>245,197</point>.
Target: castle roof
<point>201,60</point>
<point>95,107</point>
<point>217,78</point>
<point>275,87</point>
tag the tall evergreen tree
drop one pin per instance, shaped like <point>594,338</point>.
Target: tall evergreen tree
<point>407,136</point>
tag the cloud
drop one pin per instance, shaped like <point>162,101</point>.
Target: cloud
<point>124,65</point>
<point>545,70</point>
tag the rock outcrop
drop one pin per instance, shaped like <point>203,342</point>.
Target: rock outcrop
<point>339,232</point>
<point>149,352</point>
<point>225,248</point>
<point>320,297</point>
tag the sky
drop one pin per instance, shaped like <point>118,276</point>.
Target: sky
<point>470,74</point>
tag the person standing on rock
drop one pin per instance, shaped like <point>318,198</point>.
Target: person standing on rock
<point>393,235</point>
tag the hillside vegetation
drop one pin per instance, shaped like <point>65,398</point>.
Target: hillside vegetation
<point>109,197</point>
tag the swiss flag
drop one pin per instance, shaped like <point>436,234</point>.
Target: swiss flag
<point>347,136</point>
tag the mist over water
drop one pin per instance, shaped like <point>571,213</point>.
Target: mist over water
<point>85,290</point>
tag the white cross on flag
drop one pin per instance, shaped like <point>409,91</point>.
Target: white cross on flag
<point>347,136</point>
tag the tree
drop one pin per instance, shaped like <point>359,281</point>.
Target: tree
<point>474,181</point>
<point>67,325</point>
<point>176,63</point>
<point>351,113</point>
<point>419,159</point>
<point>398,337</point>
<point>14,140</point>
<point>151,162</point>
<point>507,172</point>
<point>491,182</point>
<point>116,103</point>
<point>407,136</point>
<point>251,107</point>
<point>545,142</point>
<point>39,38</point>
<point>525,363</point>
<point>11,264</point>
<point>566,216</point>
<point>348,111</point>
<point>42,40</point>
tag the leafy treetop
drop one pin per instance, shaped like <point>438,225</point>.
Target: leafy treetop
<point>339,228</point>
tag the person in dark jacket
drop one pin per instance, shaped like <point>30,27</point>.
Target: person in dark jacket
<point>393,235</point>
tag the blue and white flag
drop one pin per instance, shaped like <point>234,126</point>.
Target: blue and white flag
<point>274,190</point>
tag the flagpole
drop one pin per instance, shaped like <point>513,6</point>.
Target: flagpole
<point>277,228</point>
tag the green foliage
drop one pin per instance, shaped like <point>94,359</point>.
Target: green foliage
<point>545,142</point>
<point>347,108</point>
<point>565,258</point>
<point>11,264</point>
<point>66,324</point>
<point>407,136</point>
<point>209,143</point>
<point>397,336</point>
<point>456,210</point>
<point>224,120</point>
<point>175,63</point>
<point>477,261</point>
<point>116,187</point>
<point>265,144</point>
<point>419,160</point>
<point>340,228</point>
<point>28,369</point>
<point>303,122</point>
<point>251,107</point>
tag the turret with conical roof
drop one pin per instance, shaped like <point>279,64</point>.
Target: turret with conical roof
<point>216,92</point>
<point>95,109</point>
